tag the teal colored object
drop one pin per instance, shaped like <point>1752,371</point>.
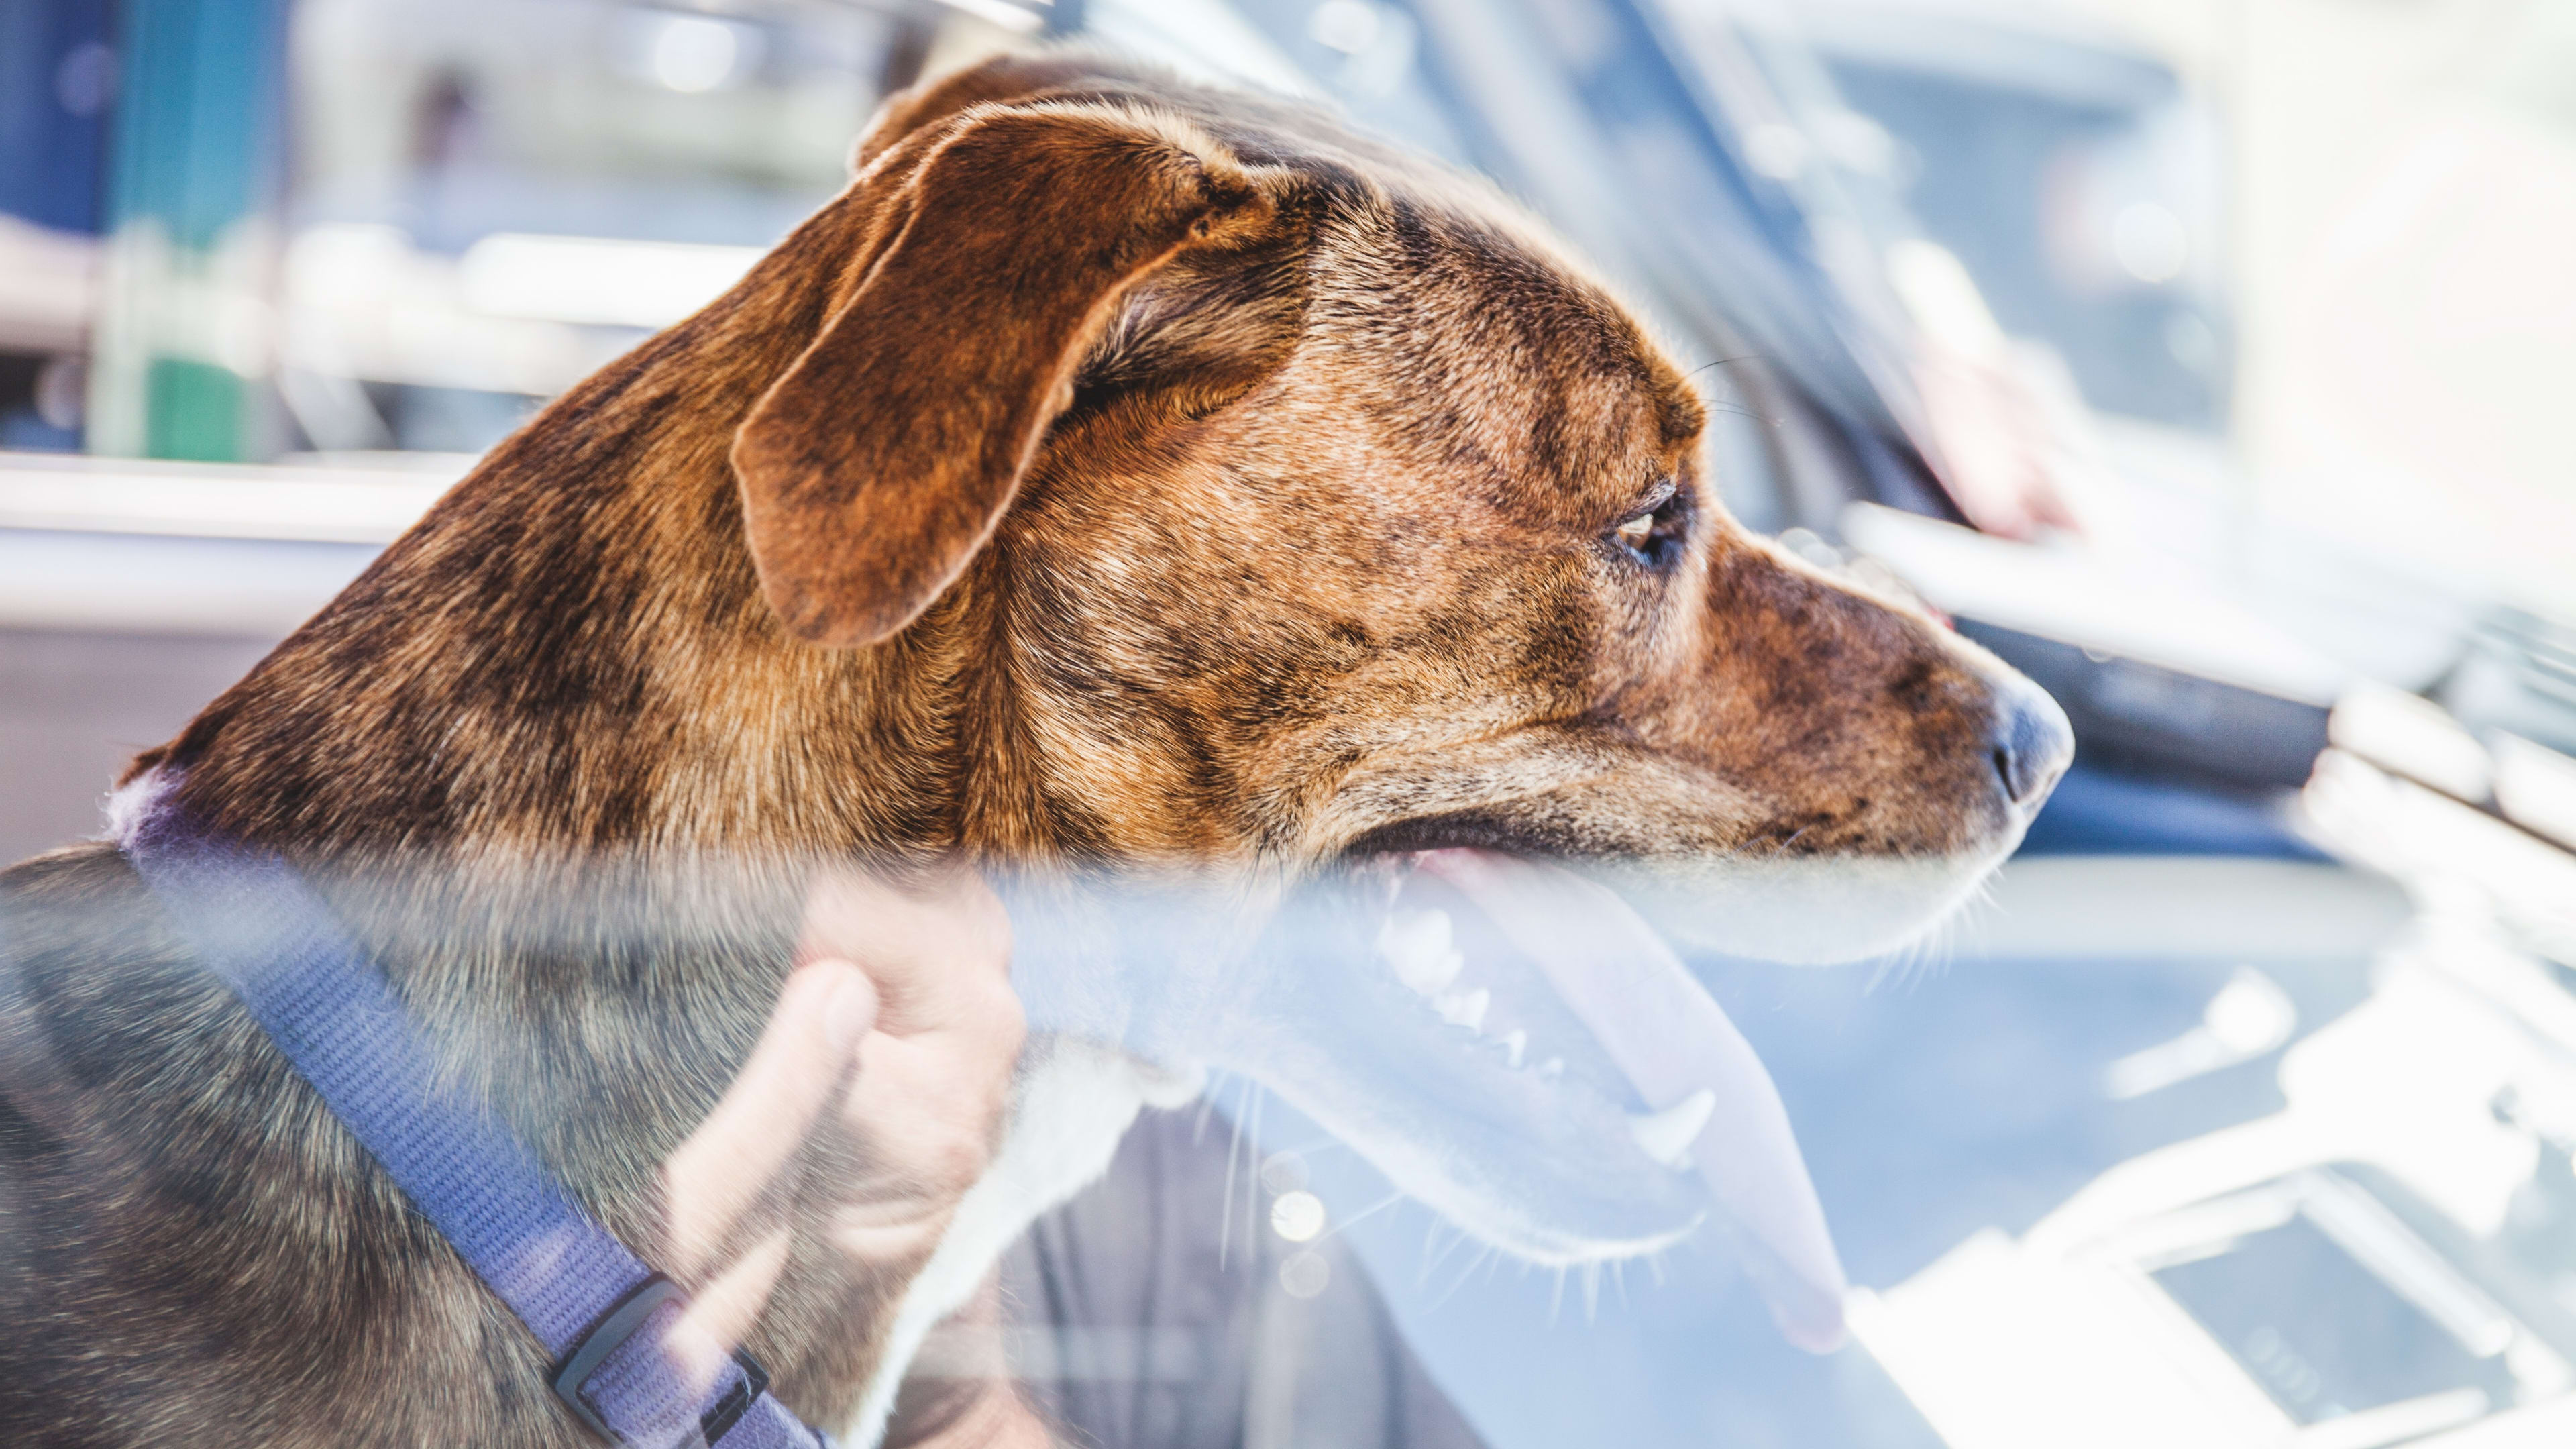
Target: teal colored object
<point>196,168</point>
<point>193,410</point>
<point>200,115</point>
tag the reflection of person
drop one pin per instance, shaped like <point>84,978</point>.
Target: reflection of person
<point>1150,1332</point>
<point>1167,1308</point>
<point>899,1016</point>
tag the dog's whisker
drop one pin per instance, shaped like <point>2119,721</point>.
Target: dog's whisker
<point>1254,1096</point>
<point>1916,961</point>
<point>1932,953</point>
<point>1433,1259</point>
<point>1364,1214</point>
<point>1225,1210</point>
<point>1466,1272</point>
<point>1722,362</point>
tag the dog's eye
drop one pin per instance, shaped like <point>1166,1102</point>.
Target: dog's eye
<point>1654,537</point>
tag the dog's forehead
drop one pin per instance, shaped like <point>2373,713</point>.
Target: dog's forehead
<point>1502,346</point>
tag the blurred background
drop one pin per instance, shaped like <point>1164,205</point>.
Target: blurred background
<point>2201,357</point>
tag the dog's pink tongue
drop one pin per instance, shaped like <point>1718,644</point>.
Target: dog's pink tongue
<point>1674,1040</point>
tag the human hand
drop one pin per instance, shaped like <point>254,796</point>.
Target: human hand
<point>899,1028</point>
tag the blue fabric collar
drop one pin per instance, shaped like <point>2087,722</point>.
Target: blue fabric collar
<point>599,1310</point>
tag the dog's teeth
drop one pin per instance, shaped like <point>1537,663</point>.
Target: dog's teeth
<point>1551,1069</point>
<point>1515,1045</point>
<point>1666,1136</point>
<point>1464,1008</point>
<point>1417,944</point>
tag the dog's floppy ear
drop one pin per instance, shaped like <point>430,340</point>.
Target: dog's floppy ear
<point>882,459</point>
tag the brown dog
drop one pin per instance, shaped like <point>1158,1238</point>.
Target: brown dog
<point>1119,478</point>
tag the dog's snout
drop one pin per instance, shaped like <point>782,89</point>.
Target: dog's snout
<point>2033,743</point>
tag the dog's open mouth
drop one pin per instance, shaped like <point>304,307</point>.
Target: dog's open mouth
<point>1545,993</point>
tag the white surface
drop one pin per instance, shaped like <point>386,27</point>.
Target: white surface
<point>2444,850</point>
<point>160,585</point>
<point>603,280</point>
<point>2536,786</point>
<point>2002,1348</point>
<point>194,548</point>
<point>2404,1082</point>
<point>2095,601</point>
<point>48,287</point>
<point>2090,906</point>
<point>2414,737</point>
<point>70,493</point>
<point>363,302</point>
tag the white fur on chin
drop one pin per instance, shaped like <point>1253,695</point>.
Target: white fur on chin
<point>1073,1102</point>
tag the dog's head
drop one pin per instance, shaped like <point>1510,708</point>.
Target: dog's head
<point>1288,508</point>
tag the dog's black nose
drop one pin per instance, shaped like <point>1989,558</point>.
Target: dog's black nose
<point>2033,743</point>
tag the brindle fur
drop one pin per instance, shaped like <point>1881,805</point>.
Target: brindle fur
<point>1134,475</point>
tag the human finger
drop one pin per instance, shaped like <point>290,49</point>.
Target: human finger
<point>721,1312</point>
<point>825,1009</point>
<point>932,949</point>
